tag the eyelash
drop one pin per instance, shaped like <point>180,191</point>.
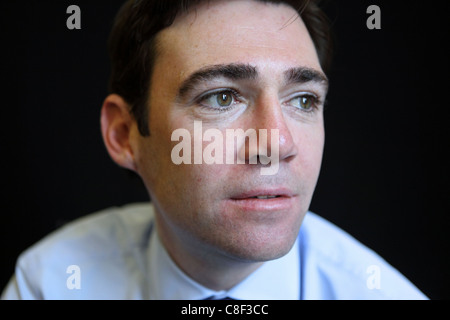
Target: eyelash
<point>235,94</point>
<point>316,102</point>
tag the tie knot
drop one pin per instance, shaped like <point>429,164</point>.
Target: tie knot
<point>218,298</point>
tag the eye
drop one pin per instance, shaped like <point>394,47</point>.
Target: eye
<point>305,102</point>
<point>221,100</point>
<point>224,99</point>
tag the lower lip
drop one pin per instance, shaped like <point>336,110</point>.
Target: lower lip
<point>271,204</point>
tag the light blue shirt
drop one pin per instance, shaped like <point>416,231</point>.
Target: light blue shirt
<point>116,254</point>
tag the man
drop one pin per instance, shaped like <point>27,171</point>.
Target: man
<point>188,78</point>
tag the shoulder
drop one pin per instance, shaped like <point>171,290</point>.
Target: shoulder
<point>99,233</point>
<point>99,244</point>
<point>337,266</point>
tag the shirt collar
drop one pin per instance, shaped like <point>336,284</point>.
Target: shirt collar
<point>275,280</point>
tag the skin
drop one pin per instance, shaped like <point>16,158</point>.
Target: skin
<point>215,238</point>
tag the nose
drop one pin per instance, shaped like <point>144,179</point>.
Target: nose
<point>274,137</point>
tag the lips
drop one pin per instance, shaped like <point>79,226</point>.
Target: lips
<point>264,194</point>
<point>263,200</point>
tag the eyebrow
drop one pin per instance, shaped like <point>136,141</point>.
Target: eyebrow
<point>229,71</point>
<point>247,72</point>
<point>305,74</point>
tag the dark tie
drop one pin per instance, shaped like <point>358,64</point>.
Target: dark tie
<point>212,298</point>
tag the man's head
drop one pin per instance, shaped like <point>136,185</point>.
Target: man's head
<point>231,65</point>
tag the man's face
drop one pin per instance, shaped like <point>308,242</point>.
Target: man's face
<point>234,65</point>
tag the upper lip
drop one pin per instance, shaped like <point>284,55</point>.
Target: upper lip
<point>280,192</point>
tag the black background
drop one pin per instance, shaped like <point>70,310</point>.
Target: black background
<point>385,175</point>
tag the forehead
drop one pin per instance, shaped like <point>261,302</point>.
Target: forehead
<point>237,31</point>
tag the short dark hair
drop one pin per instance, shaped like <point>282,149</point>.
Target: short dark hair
<point>132,45</point>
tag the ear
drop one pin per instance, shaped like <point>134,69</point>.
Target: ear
<point>116,126</point>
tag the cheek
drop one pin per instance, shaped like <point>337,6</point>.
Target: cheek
<point>177,188</point>
<point>310,144</point>
<point>163,179</point>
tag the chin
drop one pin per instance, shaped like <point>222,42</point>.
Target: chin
<point>253,247</point>
<point>253,236</point>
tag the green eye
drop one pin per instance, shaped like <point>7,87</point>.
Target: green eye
<point>219,100</point>
<point>304,102</point>
<point>224,99</point>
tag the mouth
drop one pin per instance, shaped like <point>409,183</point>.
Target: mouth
<point>264,200</point>
<point>264,194</point>
<point>265,197</point>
